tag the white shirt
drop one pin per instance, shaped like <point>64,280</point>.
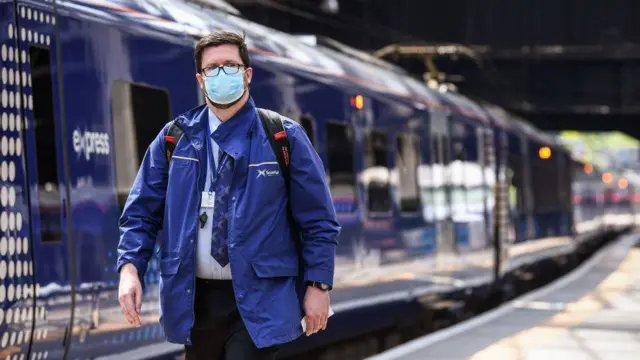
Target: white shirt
<point>206,266</point>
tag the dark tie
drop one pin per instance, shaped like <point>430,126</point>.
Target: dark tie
<point>219,238</point>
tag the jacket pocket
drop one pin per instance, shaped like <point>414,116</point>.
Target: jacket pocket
<point>169,266</point>
<point>271,270</point>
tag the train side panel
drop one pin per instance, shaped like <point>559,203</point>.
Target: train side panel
<point>121,86</point>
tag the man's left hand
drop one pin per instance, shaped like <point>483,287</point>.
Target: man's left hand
<point>316,308</point>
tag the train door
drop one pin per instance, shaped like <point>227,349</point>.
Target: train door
<point>41,268</point>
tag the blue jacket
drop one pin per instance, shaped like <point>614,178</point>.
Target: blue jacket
<point>267,271</point>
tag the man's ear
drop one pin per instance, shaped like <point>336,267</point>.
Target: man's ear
<point>200,80</point>
<point>249,73</point>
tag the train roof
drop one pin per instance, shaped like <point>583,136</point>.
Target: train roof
<point>510,121</point>
<point>316,55</point>
<point>465,105</point>
<point>196,18</point>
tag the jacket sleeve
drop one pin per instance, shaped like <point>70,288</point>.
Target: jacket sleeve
<point>143,213</point>
<point>312,207</point>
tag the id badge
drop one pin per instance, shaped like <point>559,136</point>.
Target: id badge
<point>208,199</point>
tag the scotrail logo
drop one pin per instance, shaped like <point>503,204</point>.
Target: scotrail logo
<point>89,143</point>
<point>266,172</point>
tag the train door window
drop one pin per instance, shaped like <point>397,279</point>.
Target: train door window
<point>438,200</point>
<point>139,113</point>
<point>407,161</point>
<point>49,204</point>
<point>376,173</point>
<point>307,124</point>
<point>340,162</point>
<point>458,170</point>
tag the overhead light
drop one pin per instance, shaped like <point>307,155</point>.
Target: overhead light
<point>330,6</point>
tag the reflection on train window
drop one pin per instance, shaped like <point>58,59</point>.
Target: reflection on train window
<point>441,196</point>
<point>341,168</point>
<point>407,161</point>
<point>139,113</point>
<point>307,123</point>
<point>459,177</point>
<point>49,203</point>
<point>375,176</point>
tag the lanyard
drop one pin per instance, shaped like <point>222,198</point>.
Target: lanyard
<point>212,161</point>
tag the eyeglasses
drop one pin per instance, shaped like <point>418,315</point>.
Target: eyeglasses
<point>228,69</point>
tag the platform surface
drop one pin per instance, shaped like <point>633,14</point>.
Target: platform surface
<point>591,313</point>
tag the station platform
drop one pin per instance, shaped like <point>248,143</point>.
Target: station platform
<point>590,313</point>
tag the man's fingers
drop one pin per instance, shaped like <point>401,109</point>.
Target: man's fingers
<point>138,298</point>
<point>309,321</point>
<point>319,323</point>
<point>137,305</point>
<point>130,310</point>
<point>124,299</point>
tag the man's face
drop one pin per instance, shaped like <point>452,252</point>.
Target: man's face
<point>227,54</point>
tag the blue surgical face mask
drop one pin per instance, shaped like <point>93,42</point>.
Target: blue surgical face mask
<point>224,89</point>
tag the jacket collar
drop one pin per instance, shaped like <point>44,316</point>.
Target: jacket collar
<point>231,136</point>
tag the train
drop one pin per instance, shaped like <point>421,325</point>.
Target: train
<point>436,193</point>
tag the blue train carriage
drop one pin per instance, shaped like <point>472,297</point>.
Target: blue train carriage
<point>71,102</point>
<point>456,245</point>
<point>537,177</point>
<point>78,115</point>
<point>58,285</point>
<point>461,188</point>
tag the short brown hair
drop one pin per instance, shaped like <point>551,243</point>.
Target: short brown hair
<point>222,38</point>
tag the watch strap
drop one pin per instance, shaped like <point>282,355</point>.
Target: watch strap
<point>319,285</point>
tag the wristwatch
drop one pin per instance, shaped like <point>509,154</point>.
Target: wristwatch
<point>319,285</point>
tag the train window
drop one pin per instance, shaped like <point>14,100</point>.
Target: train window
<point>340,162</point>
<point>459,180</point>
<point>407,161</point>
<point>307,123</point>
<point>139,113</point>
<point>441,195</point>
<point>376,172</point>
<point>49,204</point>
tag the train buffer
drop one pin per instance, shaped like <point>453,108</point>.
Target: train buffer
<point>591,313</point>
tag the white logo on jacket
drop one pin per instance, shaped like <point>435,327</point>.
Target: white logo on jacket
<point>266,172</point>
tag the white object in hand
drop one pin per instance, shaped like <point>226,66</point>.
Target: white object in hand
<point>304,323</point>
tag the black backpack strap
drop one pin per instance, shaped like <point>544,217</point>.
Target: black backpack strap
<point>274,128</point>
<point>174,133</point>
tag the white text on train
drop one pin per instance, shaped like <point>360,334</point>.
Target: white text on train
<point>88,142</point>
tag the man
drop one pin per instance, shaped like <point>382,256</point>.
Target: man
<point>234,283</point>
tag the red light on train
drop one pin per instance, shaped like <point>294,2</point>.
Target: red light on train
<point>607,178</point>
<point>588,168</point>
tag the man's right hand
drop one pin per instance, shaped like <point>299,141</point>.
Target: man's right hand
<point>130,294</point>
